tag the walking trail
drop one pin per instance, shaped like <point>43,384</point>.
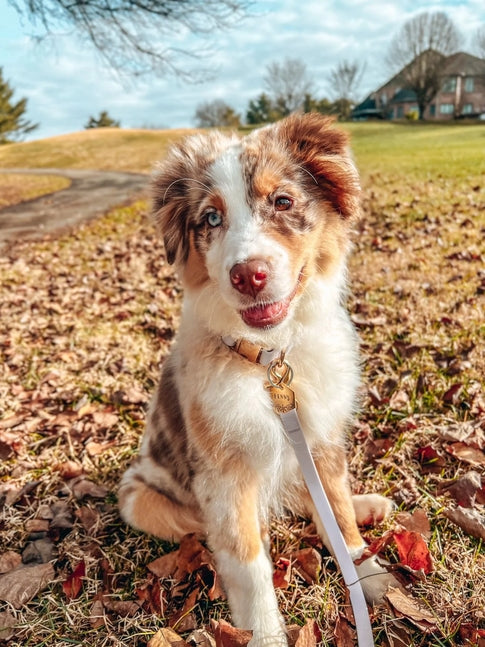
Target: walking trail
<point>90,194</point>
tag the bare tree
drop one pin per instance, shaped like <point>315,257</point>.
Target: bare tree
<point>480,40</point>
<point>419,49</point>
<point>133,36</point>
<point>287,83</point>
<point>216,113</point>
<point>345,78</point>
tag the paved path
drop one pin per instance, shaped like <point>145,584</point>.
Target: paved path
<point>90,194</point>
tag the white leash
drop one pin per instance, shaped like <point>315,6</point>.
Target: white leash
<point>284,403</point>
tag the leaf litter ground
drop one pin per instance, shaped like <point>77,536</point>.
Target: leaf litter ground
<point>86,321</point>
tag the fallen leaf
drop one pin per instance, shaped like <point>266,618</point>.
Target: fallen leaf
<point>464,490</point>
<point>308,563</point>
<point>69,469</point>
<point>282,573</point>
<point>9,560</point>
<point>471,521</point>
<point>344,633</point>
<point>413,551</point>
<point>105,419</point>
<point>7,624</point>
<point>96,614</point>
<point>73,585</point>
<point>409,608</point>
<point>122,608</point>
<point>201,638</point>
<point>452,395</point>
<point>22,584</point>
<point>430,460</point>
<point>471,635</point>
<point>90,520</point>
<point>150,595</point>
<point>82,487</point>
<point>37,525</point>
<point>183,619</point>
<point>228,636</point>
<point>309,635</point>
<point>417,521</point>
<point>166,637</point>
<point>164,566</point>
<point>94,449</point>
<point>467,453</point>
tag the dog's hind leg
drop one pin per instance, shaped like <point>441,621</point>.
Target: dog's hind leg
<point>146,508</point>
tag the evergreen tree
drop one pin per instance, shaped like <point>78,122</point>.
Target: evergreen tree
<point>12,123</point>
<point>103,121</point>
<point>262,111</point>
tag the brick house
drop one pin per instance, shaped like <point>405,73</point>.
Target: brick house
<point>462,94</point>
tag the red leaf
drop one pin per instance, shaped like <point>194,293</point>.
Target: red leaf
<point>413,551</point>
<point>282,573</point>
<point>73,585</point>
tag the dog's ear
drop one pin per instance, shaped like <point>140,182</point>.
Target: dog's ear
<point>323,152</point>
<point>171,204</point>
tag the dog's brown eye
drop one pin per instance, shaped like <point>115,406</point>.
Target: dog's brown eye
<point>282,203</point>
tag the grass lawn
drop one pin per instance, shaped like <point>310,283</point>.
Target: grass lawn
<point>86,320</point>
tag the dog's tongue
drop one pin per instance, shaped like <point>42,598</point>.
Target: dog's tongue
<point>265,315</point>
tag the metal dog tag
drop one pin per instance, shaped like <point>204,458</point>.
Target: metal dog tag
<point>282,397</point>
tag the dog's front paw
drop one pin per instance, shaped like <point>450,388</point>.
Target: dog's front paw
<point>371,508</point>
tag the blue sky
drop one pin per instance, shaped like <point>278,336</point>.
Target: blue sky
<point>65,81</point>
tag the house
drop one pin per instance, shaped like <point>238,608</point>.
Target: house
<point>461,94</point>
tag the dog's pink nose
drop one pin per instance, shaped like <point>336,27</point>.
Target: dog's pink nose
<point>249,278</point>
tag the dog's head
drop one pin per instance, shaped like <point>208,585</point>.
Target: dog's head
<point>250,222</point>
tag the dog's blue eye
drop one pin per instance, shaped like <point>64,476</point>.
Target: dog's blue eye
<point>214,219</point>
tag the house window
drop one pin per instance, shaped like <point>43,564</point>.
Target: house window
<point>449,84</point>
<point>400,112</point>
<point>432,110</point>
<point>467,109</point>
<point>446,109</point>
<point>384,99</point>
<point>469,84</point>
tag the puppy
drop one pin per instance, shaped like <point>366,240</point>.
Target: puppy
<point>258,229</point>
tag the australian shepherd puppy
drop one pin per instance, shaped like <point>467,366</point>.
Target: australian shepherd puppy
<point>258,229</point>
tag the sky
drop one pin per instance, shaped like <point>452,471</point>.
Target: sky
<point>66,82</point>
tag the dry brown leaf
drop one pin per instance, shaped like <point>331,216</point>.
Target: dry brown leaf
<point>94,449</point>
<point>309,634</point>
<point>344,633</point>
<point>90,520</point>
<point>164,566</point>
<point>201,638</point>
<point>469,520</point>
<point>228,636</point>
<point>417,521</point>
<point>308,562</point>
<point>23,583</point>
<point>82,487</point>
<point>409,608</point>
<point>69,469</point>
<point>96,615</point>
<point>7,624</point>
<point>464,490</point>
<point>123,608</point>
<point>166,637</point>
<point>105,419</point>
<point>9,560</point>
<point>467,453</point>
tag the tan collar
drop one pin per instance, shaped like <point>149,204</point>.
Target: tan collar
<point>250,351</point>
